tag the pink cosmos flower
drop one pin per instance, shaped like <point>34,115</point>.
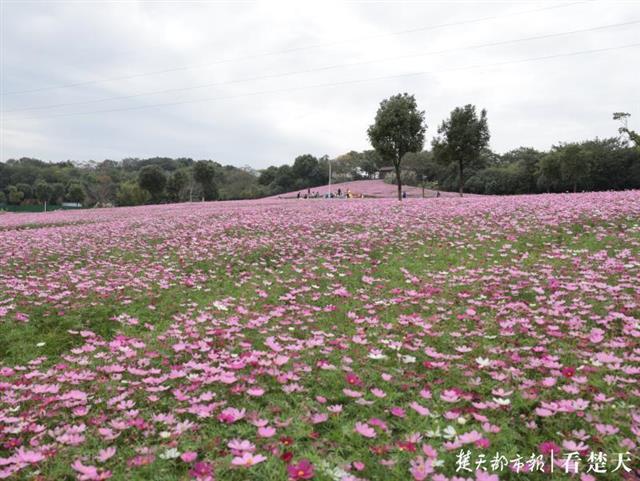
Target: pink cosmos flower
<point>421,410</point>
<point>231,415</point>
<point>318,418</point>
<point>398,412</point>
<point>351,393</point>
<point>89,473</point>
<point>189,456</point>
<point>379,393</point>
<point>247,460</point>
<point>255,391</point>
<point>241,445</point>
<point>449,396</point>
<point>365,430</point>
<point>105,454</point>
<point>353,380</point>
<point>202,471</point>
<point>28,457</point>
<point>420,468</point>
<point>548,446</point>
<point>266,431</point>
<point>485,476</point>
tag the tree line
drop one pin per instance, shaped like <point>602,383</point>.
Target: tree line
<point>459,160</point>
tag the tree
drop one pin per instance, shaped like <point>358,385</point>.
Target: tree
<point>527,164</point>
<point>152,179</point>
<point>573,166</point>
<point>175,185</point>
<point>3,198</point>
<point>623,118</point>
<point>130,193</point>
<point>26,189</point>
<point>268,175</point>
<point>462,138</point>
<point>549,178</point>
<point>284,180</point>
<point>204,173</point>
<point>75,192</point>
<point>42,192</point>
<point>101,189</point>
<point>15,196</point>
<point>398,129</point>
<point>57,192</point>
<point>305,169</point>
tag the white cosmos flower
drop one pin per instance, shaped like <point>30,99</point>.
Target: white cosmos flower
<point>408,359</point>
<point>501,401</point>
<point>377,355</point>
<point>171,453</point>
<point>449,432</point>
<point>483,361</point>
<point>220,306</point>
<point>433,434</point>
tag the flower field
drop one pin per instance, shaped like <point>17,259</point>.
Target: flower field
<point>481,338</point>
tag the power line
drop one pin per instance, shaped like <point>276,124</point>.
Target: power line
<point>325,68</point>
<point>335,84</point>
<point>291,50</point>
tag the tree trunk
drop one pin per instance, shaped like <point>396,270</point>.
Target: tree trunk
<point>460,177</point>
<point>399,182</point>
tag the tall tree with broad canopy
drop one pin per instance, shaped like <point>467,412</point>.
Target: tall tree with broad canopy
<point>152,179</point>
<point>204,173</point>
<point>398,129</point>
<point>461,139</point>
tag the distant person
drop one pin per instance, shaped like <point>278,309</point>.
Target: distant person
<point>339,191</point>
<point>298,195</point>
<point>438,194</point>
<point>404,194</point>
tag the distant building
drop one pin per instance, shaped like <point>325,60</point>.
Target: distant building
<point>384,171</point>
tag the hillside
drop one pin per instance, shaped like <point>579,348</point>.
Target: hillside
<point>367,188</point>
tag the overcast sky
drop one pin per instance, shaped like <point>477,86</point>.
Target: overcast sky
<point>248,83</point>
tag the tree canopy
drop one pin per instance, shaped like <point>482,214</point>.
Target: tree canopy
<point>398,129</point>
<point>461,139</point>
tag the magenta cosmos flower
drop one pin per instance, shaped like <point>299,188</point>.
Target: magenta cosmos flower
<point>301,470</point>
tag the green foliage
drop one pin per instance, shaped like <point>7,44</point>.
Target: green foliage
<point>398,129</point>
<point>407,177</point>
<point>600,164</point>
<point>204,173</point>
<point>14,195</point>
<point>462,138</point>
<point>3,198</point>
<point>26,189</point>
<point>152,179</point>
<point>130,193</point>
<point>75,192</point>
<point>42,191</point>
<point>176,185</point>
<point>57,192</point>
